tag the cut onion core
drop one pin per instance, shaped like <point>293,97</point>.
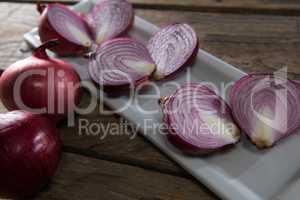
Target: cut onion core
<point>110,19</point>
<point>266,106</point>
<point>120,61</point>
<point>172,47</point>
<point>198,120</point>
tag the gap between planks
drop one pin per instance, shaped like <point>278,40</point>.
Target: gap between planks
<point>218,6</point>
<point>120,160</point>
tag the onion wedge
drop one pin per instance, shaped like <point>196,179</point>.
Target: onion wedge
<point>173,47</point>
<point>266,107</point>
<point>119,62</point>
<point>110,19</point>
<point>198,121</point>
<point>59,22</point>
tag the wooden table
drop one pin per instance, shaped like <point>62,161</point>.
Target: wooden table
<point>253,35</point>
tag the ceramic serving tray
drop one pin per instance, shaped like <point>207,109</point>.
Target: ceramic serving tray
<point>243,172</point>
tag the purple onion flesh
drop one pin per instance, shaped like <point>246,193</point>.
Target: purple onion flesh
<point>120,61</point>
<point>110,19</point>
<point>172,48</point>
<point>68,24</point>
<point>266,107</point>
<point>198,121</point>
<point>59,22</point>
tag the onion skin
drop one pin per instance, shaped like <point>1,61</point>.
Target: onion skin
<point>47,32</point>
<point>34,89</point>
<point>208,110</point>
<point>116,17</point>
<point>172,48</point>
<point>129,60</point>
<point>30,150</point>
<point>262,109</point>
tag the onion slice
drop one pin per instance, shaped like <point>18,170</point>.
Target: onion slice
<point>59,22</point>
<point>120,61</point>
<point>198,121</point>
<point>266,106</point>
<point>110,19</point>
<point>173,47</point>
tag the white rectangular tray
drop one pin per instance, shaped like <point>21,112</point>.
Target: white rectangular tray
<point>240,173</point>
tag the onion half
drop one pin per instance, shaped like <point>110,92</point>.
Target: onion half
<point>266,106</point>
<point>198,121</point>
<point>120,61</point>
<point>173,47</point>
<point>30,150</point>
<point>59,22</point>
<point>110,19</point>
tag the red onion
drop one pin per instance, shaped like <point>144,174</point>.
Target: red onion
<point>173,47</point>
<point>266,106</point>
<point>120,61</point>
<point>40,82</point>
<point>198,121</point>
<point>110,19</point>
<point>30,150</point>
<point>59,22</point>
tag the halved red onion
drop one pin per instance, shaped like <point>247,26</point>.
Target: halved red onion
<point>198,121</point>
<point>59,22</point>
<point>110,19</point>
<point>173,47</point>
<point>266,107</point>
<point>120,61</point>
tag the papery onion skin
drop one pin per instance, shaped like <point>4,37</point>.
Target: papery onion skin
<point>47,32</point>
<point>172,48</point>
<point>34,91</point>
<point>110,19</point>
<point>120,62</point>
<point>253,99</point>
<point>185,121</point>
<point>30,150</point>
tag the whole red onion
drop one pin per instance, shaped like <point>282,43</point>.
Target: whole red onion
<point>198,121</point>
<point>59,22</point>
<point>41,82</point>
<point>30,151</point>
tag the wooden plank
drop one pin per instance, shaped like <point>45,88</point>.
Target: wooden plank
<point>80,177</point>
<point>116,141</point>
<point>266,42</point>
<point>288,7</point>
<point>251,43</point>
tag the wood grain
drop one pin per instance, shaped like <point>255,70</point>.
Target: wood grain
<point>80,177</point>
<point>116,141</point>
<point>249,42</point>
<point>287,7</point>
<point>253,43</point>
